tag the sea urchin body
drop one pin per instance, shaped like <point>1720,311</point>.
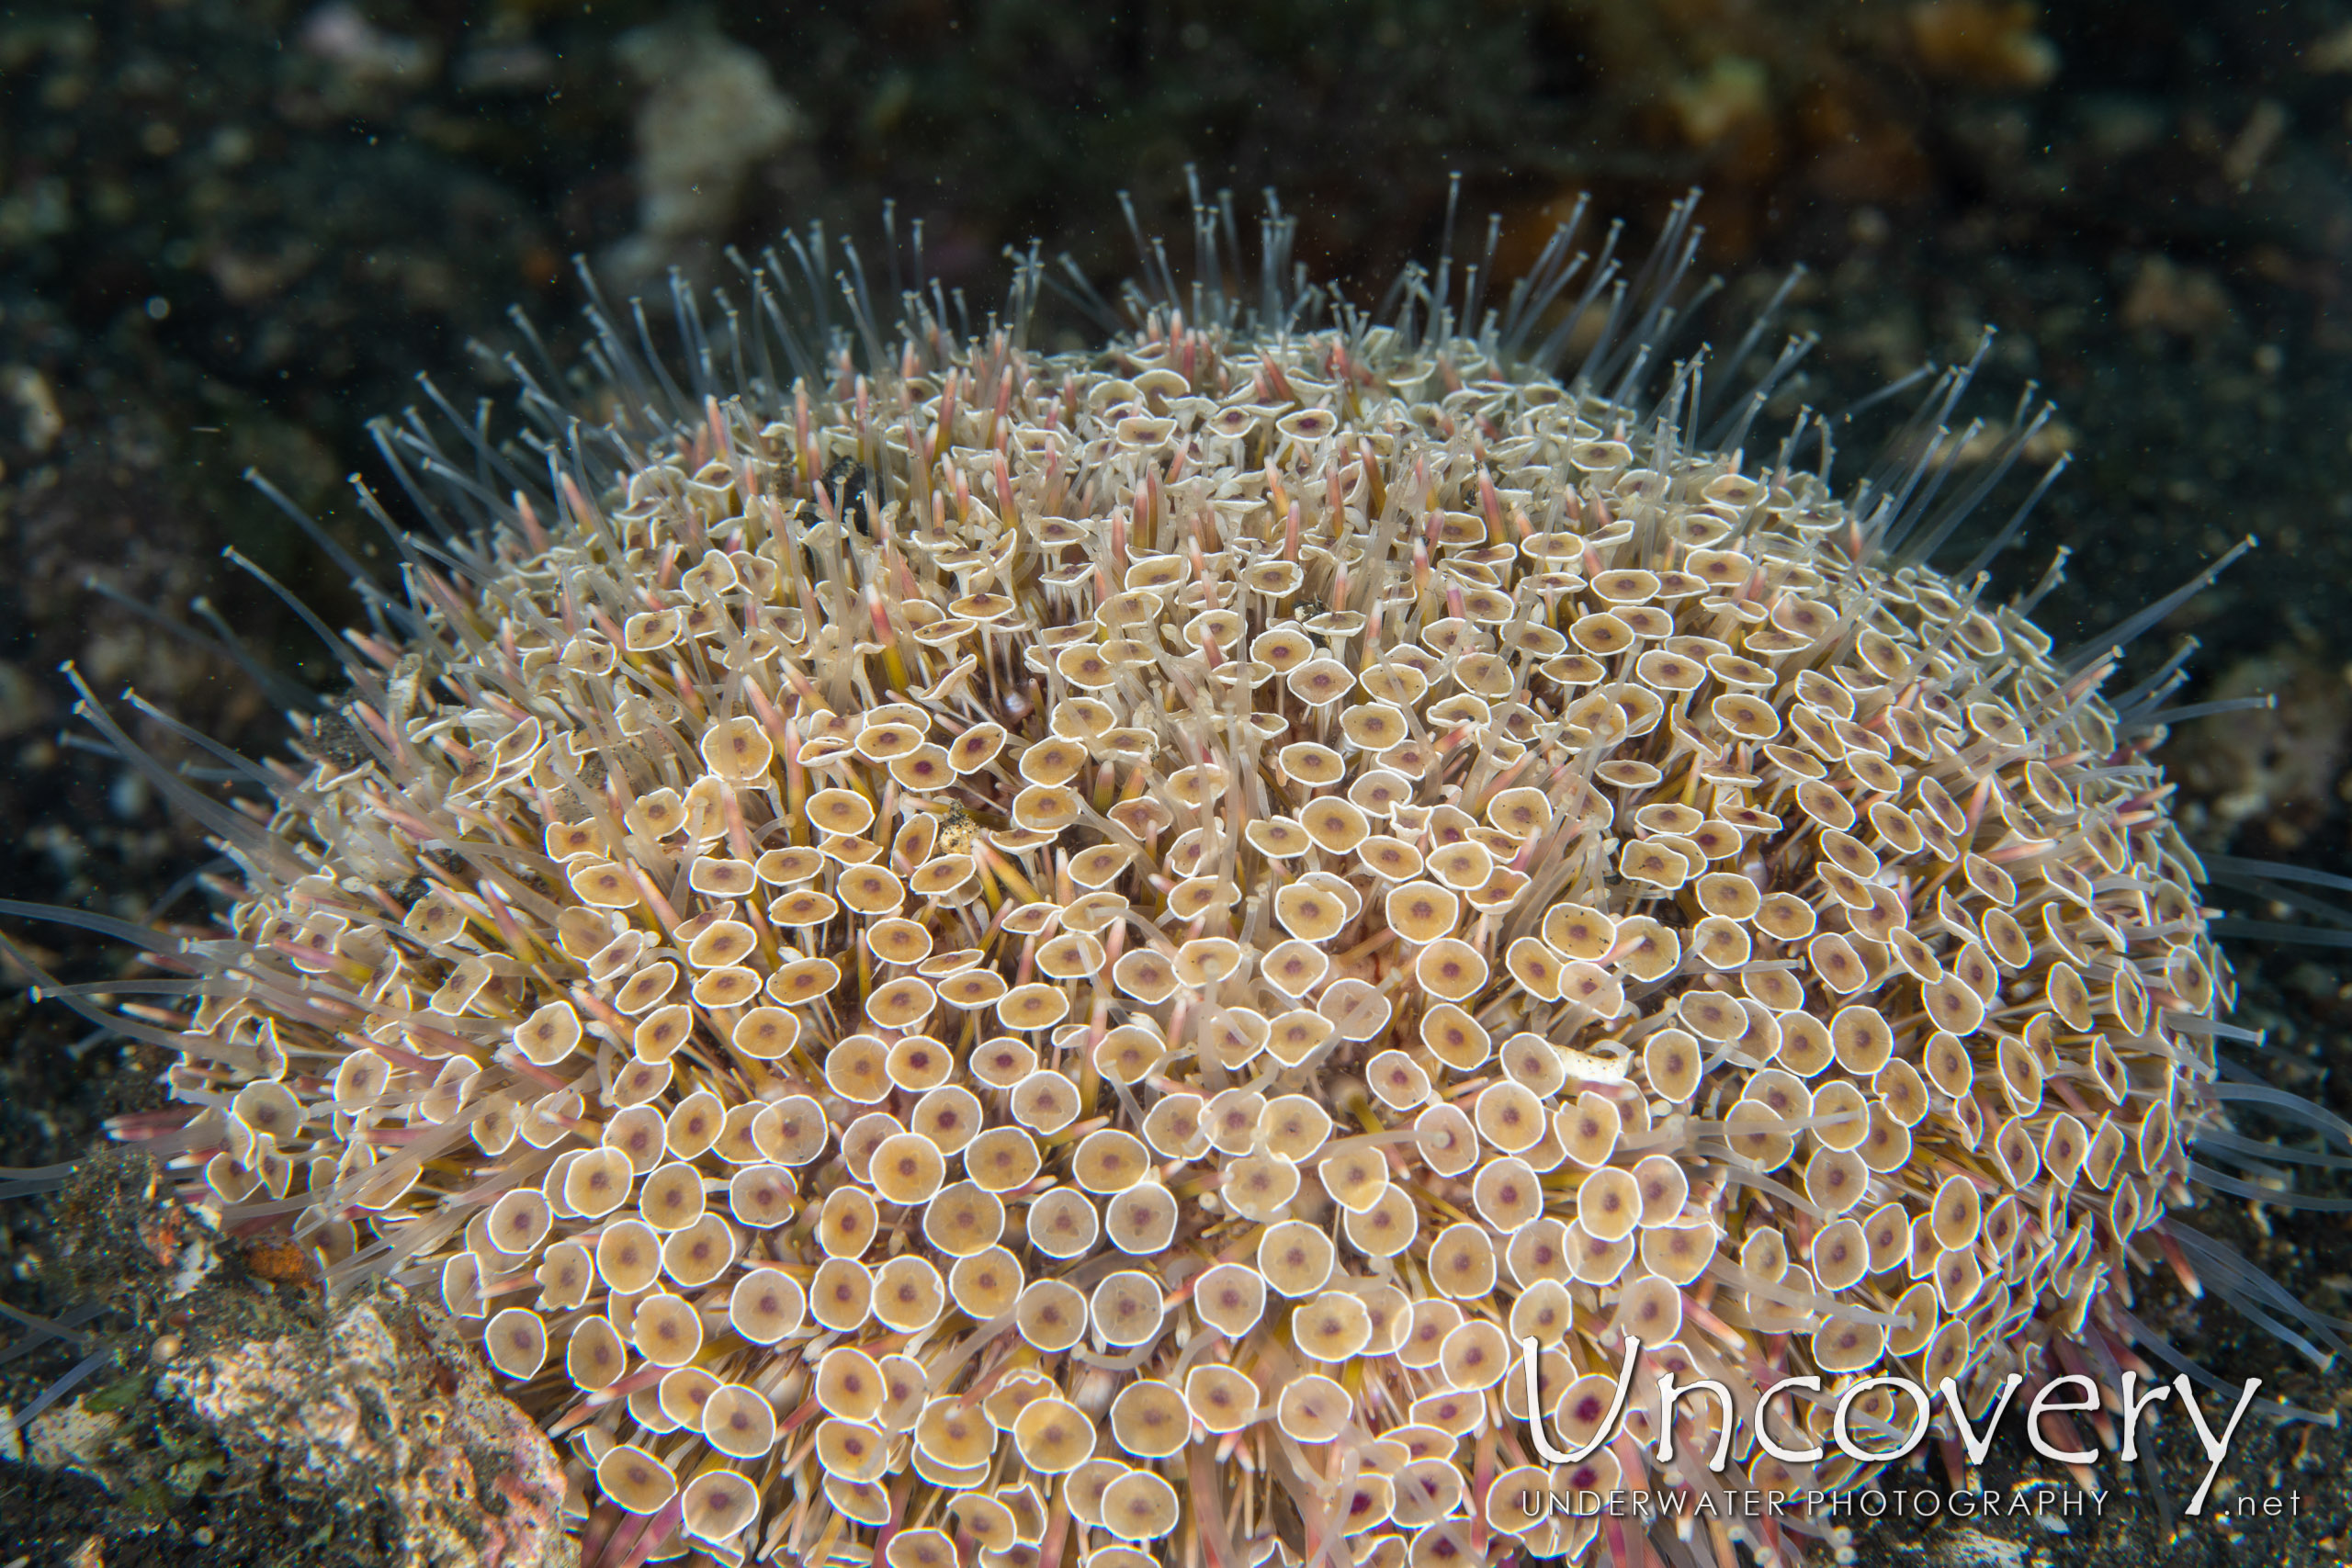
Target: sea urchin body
<point>1064,956</point>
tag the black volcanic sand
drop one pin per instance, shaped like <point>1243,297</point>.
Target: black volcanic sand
<point>230,234</point>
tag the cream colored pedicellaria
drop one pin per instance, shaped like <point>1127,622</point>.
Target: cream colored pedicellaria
<point>1093,1004</point>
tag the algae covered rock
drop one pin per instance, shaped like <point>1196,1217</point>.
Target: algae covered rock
<point>386,1412</point>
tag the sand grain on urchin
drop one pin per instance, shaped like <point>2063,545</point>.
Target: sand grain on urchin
<point>1069,951</point>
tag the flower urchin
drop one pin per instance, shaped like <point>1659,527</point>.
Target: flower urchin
<point>1064,954</point>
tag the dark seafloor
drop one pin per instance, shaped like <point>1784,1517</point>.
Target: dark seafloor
<point>229,232</point>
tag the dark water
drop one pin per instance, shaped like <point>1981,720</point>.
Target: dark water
<point>231,234</point>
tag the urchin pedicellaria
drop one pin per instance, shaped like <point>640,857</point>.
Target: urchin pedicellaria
<point>1064,953</point>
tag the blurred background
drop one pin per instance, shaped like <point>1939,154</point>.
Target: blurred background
<point>232,232</point>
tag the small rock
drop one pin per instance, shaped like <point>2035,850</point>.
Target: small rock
<point>712,113</point>
<point>2187,302</point>
<point>73,1434</point>
<point>388,1413</point>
